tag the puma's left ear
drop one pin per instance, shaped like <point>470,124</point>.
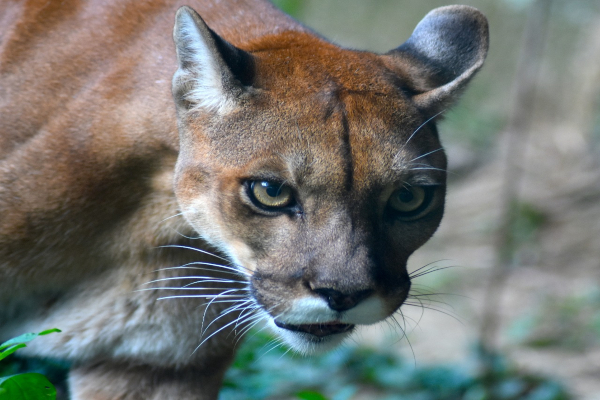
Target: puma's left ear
<point>213,74</point>
<point>443,53</point>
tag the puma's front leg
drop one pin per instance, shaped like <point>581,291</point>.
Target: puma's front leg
<point>105,381</point>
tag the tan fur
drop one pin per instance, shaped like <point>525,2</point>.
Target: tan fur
<point>89,151</point>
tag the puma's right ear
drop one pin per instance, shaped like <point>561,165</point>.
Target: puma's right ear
<point>443,53</point>
<point>212,74</point>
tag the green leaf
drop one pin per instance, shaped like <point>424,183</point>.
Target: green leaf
<point>47,331</point>
<point>30,386</point>
<point>11,350</point>
<point>26,337</point>
<point>292,7</point>
<point>310,395</point>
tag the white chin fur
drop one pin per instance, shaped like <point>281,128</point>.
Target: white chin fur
<point>305,343</point>
<point>312,310</point>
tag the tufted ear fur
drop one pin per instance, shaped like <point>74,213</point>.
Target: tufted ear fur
<point>444,52</point>
<point>213,74</point>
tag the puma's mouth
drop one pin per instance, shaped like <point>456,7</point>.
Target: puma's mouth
<point>319,330</point>
<point>309,325</point>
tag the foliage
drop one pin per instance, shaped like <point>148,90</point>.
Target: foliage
<point>526,222</point>
<point>29,386</point>
<point>497,380</point>
<point>471,125</point>
<point>19,342</point>
<point>571,322</point>
<point>291,7</point>
<point>25,386</point>
<point>264,370</point>
<point>595,124</point>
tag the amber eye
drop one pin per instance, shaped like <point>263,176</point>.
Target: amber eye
<point>271,194</point>
<point>410,201</point>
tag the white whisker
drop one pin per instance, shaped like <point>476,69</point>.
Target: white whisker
<point>205,296</point>
<point>278,343</point>
<point>214,333</point>
<point>185,288</point>
<point>426,154</point>
<point>203,278</point>
<point>256,319</point>
<point>252,307</point>
<point>264,314</point>
<point>222,301</point>
<point>214,281</point>
<point>172,216</point>
<point>224,294</point>
<point>425,169</point>
<point>218,267</point>
<point>194,249</point>
<point>421,126</point>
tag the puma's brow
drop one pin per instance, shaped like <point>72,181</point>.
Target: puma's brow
<point>270,176</point>
<point>289,170</point>
<point>409,181</point>
<point>421,173</point>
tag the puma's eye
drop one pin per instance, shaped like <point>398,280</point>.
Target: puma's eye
<point>271,194</point>
<point>409,202</point>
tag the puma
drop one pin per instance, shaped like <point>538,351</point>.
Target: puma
<point>276,178</point>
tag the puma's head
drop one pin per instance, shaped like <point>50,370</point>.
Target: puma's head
<point>316,169</point>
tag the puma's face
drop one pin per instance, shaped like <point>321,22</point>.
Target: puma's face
<point>316,170</point>
<point>320,204</point>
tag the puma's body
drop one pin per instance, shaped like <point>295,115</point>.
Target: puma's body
<point>88,145</point>
<point>89,151</point>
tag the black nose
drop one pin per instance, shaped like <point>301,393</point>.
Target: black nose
<point>339,301</point>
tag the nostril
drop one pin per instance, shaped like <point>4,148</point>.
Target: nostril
<point>339,301</point>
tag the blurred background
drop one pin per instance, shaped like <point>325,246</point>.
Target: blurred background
<point>518,313</point>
